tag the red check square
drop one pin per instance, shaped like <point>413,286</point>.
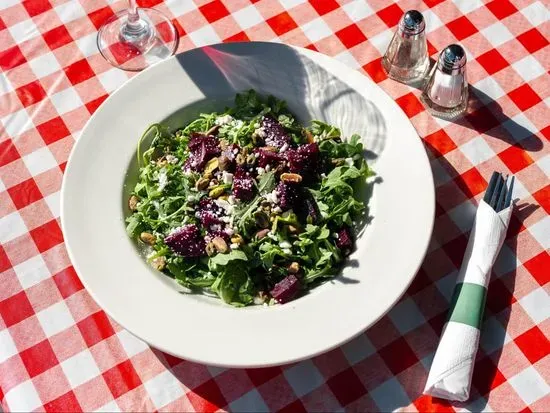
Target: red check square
<point>149,3</point>
<point>79,71</point>
<point>100,16</point>
<point>351,36</point>
<point>440,143</point>
<point>36,7</point>
<point>543,198</point>
<point>95,328</point>
<point>462,28</point>
<point>47,236</point>
<point>122,378</point>
<point>482,119</point>
<point>410,104</point>
<point>67,282</point>
<point>25,193</point>
<point>15,309</point>
<point>398,355</point>
<point>524,97</point>
<point>57,37</point>
<point>263,375</point>
<point>31,93</point>
<point>238,37</point>
<point>282,23</point>
<point>39,358</point>
<point>432,3</point>
<point>207,397</point>
<point>346,386</point>
<point>8,152</point>
<point>213,11</point>
<point>499,296</point>
<point>471,182</point>
<point>492,61</point>
<point>65,403</point>
<point>375,70</point>
<point>391,15</point>
<point>94,104</point>
<point>487,376</point>
<point>324,6</point>
<point>11,57</point>
<point>533,40</point>
<point>501,8</point>
<point>295,407</point>
<point>4,260</point>
<point>515,158</point>
<point>53,130</point>
<point>533,344</point>
<point>538,267</point>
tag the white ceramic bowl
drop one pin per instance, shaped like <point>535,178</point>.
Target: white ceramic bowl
<point>202,329</point>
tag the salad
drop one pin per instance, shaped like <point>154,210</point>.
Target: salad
<point>248,204</point>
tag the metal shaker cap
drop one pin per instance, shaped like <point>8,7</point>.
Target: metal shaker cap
<point>412,23</point>
<point>452,60</point>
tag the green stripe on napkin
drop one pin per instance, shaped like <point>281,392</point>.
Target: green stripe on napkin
<point>467,304</point>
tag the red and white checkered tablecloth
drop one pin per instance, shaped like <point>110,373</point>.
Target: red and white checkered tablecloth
<point>60,352</point>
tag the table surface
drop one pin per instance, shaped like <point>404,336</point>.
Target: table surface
<point>59,351</point>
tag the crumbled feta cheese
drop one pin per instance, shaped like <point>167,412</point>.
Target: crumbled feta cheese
<point>284,148</point>
<point>229,231</point>
<point>234,246</point>
<point>237,124</point>
<point>191,198</point>
<point>277,210</point>
<point>235,151</point>
<point>272,235</point>
<point>323,175</point>
<point>258,300</point>
<point>225,219</point>
<point>227,177</point>
<point>260,171</point>
<point>231,199</point>
<point>223,120</point>
<point>275,196</point>
<point>171,159</point>
<point>260,132</point>
<point>256,125</point>
<point>268,168</point>
<point>215,227</point>
<point>349,161</point>
<point>163,179</point>
<point>285,244</point>
<point>287,251</point>
<point>211,184</point>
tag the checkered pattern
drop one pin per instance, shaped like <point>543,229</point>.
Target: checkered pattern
<point>60,352</point>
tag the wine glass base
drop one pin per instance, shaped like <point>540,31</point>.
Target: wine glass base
<point>134,47</point>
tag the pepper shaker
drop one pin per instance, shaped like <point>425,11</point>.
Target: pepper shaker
<point>446,92</point>
<point>406,59</point>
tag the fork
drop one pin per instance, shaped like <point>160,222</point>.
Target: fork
<point>499,194</point>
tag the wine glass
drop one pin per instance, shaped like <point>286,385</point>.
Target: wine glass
<point>136,38</point>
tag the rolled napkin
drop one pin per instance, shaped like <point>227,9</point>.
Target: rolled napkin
<point>453,365</point>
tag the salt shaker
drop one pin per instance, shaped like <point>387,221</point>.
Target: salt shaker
<point>446,92</point>
<point>406,59</point>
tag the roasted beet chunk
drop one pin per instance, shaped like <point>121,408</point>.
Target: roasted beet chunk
<point>208,213</point>
<point>285,290</point>
<point>304,160</point>
<point>344,240</point>
<point>202,149</point>
<point>186,241</point>
<point>266,157</point>
<point>275,134</point>
<point>243,185</point>
<point>289,195</point>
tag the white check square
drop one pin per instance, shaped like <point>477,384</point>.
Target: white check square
<point>477,151</point>
<point>316,29</point>
<point>23,397</point>
<point>7,346</point>
<point>12,226</point>
<point>381,41</point>
<point>55,318</point>
<point>45,65</point>
<point>250,402</point>
<point>536,305</point>
<point>536,13</point>
<point>132,345</point>
<point>466,6</point>
<point>304,377</point>
<point>389,395</point>
<point>5,84</point>
<point>112,79</point>
<point>432,21</point>
<point>406,316</point>
<point>357,10</point>
<point>87,44</point>
<point>23,31</point>
<point>67,12</point>
<point>528,68</point>
<point>204,36</point>
<point>463,215</point>
<point>347,58</point>
<point>80,368</point>
<point>66,100</point>
<point>248,17</point>
<point>497,34</point>
<point>179,8</point>
<point>17,123</point>
<point>110,407</point>
<point>488,89</point>
<point>39,161</point>
<point>164,389</point>
<point>54,203</point>
<point>358,349</point>
<point>541,232</point>
<point>520,127</point>
<point>32,271</point>
<point>529,385</point>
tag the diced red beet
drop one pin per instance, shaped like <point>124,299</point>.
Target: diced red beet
<point>304,160</point>
<point>289,195</point>
<point>209,213</point>
<point>202,149</point>
<point>243,185</point>
<point>266,157</point>
<point>285,290</point>
<point>275,134</point>
<point>344,240</point>
<point>186,241</point>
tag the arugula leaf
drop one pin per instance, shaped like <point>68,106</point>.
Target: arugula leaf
<point>266,183</point>
<point>224,259</point>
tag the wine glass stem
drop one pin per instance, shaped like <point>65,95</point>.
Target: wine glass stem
<point>133,15</point>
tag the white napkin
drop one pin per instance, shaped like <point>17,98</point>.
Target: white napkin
<point>451,372</point>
